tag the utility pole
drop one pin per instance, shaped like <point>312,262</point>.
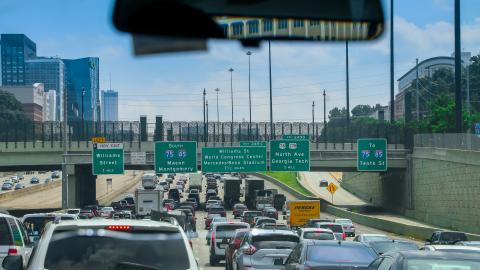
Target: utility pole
<point>313,119</point>
<point>231,96</point>
<point>392,88</point>
<point>206,105</point>
<point>458,70</point>
<point>65,153</point>
<point>417,96</point>
<point>204,115</point>
<point>271,100</point>
<point>468,85</point>
<point>83,120</point>
<point>348,86</point>
<point>249,98</point>
<point>218,115</point>
<point>324,116</point>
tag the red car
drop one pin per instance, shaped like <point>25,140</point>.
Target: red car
<point>87,213</point>
<point>208,220</point>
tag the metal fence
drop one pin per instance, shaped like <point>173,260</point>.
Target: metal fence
<point>462,141</point>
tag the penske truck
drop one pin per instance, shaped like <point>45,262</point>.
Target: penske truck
<point>302,211</point>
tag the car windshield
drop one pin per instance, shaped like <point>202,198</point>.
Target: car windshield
<point>319,235</point>
<point>442,264</point>
<point>219,219</point>
<point>35,225</point>
<point>275,241</point>
<point>252,214</point>
<point>116,251</point>
<point>340,254</point>
<point>453,236</point>
<point>333,227</point>
<point>228,231</point>
<point>343,221</point>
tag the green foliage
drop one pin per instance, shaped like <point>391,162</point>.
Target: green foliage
<point>289,179</point>
<point>362,110</point>
<point>10,108</point>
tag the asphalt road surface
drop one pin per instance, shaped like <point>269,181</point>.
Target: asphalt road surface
<point>26,179</point>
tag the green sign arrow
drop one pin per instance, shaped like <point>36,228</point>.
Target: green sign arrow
<point>253,143</point>
<point>107,158</point>
<point>234,159</point>
<point>289,155</point>
<point>371,155</point>
<point>175,157</point>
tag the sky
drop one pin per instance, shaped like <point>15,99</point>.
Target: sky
<point>172,84</point>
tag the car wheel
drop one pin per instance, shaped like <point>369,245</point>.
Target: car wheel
<point>212,261</point>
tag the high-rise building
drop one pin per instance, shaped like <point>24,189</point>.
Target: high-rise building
<point>15,49</point>
<point>50,72</point>
<point>31,97</point>
<point>82,83</point>
<point>49,106</point>
<point>109,105</point>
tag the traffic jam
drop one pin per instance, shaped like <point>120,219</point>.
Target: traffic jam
<point>197,221</point>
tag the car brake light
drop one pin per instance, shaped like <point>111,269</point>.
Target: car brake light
<point>237,242</point>
<point>344,236</point>
<point>118,228</point>
<point>213,237</point>
<point>250,250</point>
<point>12,251</point>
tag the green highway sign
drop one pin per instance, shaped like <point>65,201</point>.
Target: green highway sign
<point>371,155</point>
<point>295,136</point>
<point>253,143</point>
<point>289,155</point>
<point>107,158</point>
<point>175,157</point>
<point>234,159</point>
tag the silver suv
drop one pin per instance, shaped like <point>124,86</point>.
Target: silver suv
<point>221,234</point>
<point>110,244</point>
<point>264,249</point>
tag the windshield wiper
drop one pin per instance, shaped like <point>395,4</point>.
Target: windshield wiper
<point>131,265</point>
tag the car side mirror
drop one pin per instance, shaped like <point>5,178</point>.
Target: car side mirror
<point>12,262</point>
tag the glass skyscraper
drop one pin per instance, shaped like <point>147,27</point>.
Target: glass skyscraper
<point>82,79</point>
<point>109,105</point>
<point>16,48</point>
<point>50,72</point>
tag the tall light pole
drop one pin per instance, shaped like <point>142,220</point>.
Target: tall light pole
<point>83,119</point>
<point>324,116</point>
<point>218,115</point>
<point>206,105</point>
<point>204,122</point>
<point>249,53</point>
<point>313,119</point>
<point>231,96</point>
<point>458,70</point>
<point>347,86</point>
<point>270,77</point>
<point>392,88</point>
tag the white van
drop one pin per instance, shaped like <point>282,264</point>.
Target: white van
<point>149,181</point>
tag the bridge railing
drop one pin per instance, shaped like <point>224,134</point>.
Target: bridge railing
<point>222,132</point>
<point>462,141</point>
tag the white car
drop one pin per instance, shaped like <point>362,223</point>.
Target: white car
<point>14,239</point>
<point>221,234</point>
<point>35,223</point>
<point>347,225</point>
<point>316,234</point>
<point>112,244</point>
<point>211,203</point>
<point>367,238</point>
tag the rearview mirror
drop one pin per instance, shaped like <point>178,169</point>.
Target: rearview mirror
<point>12,262</point>
<point>251,20</point>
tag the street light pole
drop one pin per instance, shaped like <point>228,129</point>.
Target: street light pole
<point>324,116</point>
<point>231,96</point>
<point>206,105</point>
<point>249,53</point>
<point>83,120</point>
<point>270,77</point>
<point>348,86</point>
<point>218,115</point>
<point>204,122</point>
<point>392,88</point>
<point>313,119</point>
<point>458,70</point>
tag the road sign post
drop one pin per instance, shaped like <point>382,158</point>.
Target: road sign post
<point>107,158</point>
<point>175,157</point>
<point>332,188</point>
<point>372,155</point>
<point>234,159</point>
<point>289,155</point>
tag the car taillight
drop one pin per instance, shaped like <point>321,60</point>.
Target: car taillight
<point>237,242</point>
<point>118,228</point>
<point>12,251</point>
<point>344,236</point>
<point>213,237</point>
<point>250,250</point>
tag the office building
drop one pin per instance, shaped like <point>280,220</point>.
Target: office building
<point>15,50</point>
<point>31,97</point>
<point>109,105</point>
<point>82,84</point>
<point>50,72</point>
<point>49,106</point>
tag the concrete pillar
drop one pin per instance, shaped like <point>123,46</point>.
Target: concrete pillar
<point>80,188</point>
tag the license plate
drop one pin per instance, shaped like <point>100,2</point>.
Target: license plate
<point>223,245</point>
<point>278,261</point>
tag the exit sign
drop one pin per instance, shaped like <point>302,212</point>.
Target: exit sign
<point>372,155</point>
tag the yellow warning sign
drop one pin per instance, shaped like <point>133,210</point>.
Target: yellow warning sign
<point>98,140</point>
<point>332,188</point>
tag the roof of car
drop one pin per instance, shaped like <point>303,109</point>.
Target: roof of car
<point>48,215</point>
<point>329,223</point>
<point>454,247</point>
<point>101,223</point>
<point>316,230</point>
<point>265,218</point>
<point>420,254</point>
<point>332,243</point>
<point>256,231</point>
<point>3,215</point>
<point>371,234</point>
<point>230,223</point>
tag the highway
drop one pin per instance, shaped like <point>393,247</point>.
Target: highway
<point>26,179</point>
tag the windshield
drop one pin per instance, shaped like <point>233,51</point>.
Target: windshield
<point>319,235</point>
<point>275,241</point>
<point>345,255</point>
<point>116,251</point>
<point>333,227</point>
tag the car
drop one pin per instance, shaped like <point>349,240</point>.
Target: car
<point>193,201</point>
<point>125,214</point>
<point>19,186</point>
<point>55,174</point>
<point>209,232</point>
<point>238,209</point>
<point>14,178</point>
<point>20,177</point>
<point>232,246</point>
<point>347,225</point>
<point>94,208</point>
<point>336,228</point>
<point>469,243</point>
<point>208,220</point>
<point>190,217</point>
<point>263,220</point>
<point>88,213</point>
<point>217,210</point>
<point>106,212</point>
<point>8,181</point>
<point>35,223</point>
<point>169,180</point>
<point>47,180</point>
<point>210,192</point>
<point>323,183</point>
<point>419,259</point>
<point>73,211</point>
<point>14,239</point>
<point>316,234</point>
<point>385,246</point>
<point>270,212</point>
<point>330,254</point>
<point>164,185</point>
<point>450,248</point>
<point>211,203</point>
<point>249,216</point>
<point>446,238</point>
<point>274,226</point>
<point>113,244</point>
<point>180,188</point>
<point>367,237</point>
<point>222,233</point>
<point>265,249</point>
<point>193,191</point>
<point>34,180</point>
<point>7,186</point>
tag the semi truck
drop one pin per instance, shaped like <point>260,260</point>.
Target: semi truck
<point>231,192</point>
<point>252,185</point>
<point>147,200</point>
<point>264,198</point>
<point>302,211</point>
<point>195,181</point>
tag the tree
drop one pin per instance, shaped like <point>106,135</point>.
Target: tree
<point>337,113</point>
<point>10,108</point>
<point>362,110</point>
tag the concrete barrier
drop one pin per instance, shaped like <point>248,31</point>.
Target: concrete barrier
<point>29,190</point>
